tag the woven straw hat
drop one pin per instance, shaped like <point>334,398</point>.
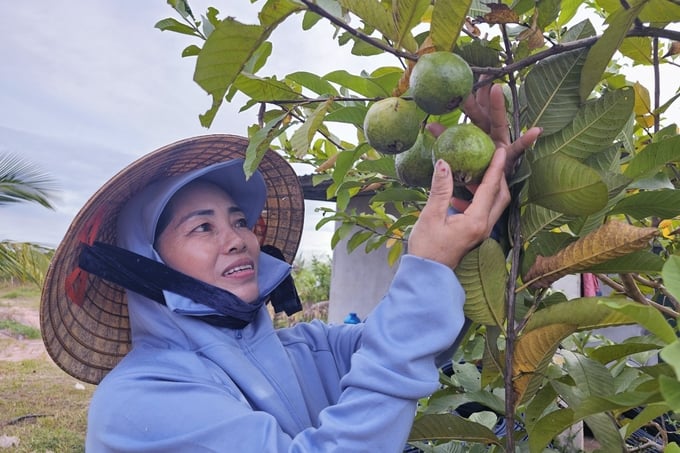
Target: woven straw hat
<point>84,319</point>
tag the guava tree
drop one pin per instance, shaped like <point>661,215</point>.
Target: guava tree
<point>597,194</point>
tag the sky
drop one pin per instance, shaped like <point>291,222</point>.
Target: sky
<point>86,87</point>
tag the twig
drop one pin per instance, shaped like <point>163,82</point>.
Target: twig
<point>356,33</point>
<point>23,418</point>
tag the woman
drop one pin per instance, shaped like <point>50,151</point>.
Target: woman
<point>207,371</point>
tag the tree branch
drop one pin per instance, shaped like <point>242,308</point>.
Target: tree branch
<point>356,33</point>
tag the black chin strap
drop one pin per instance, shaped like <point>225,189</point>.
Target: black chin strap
<point>149,278</point>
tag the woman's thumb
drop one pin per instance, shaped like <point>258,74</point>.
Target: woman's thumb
<point>441,188</point>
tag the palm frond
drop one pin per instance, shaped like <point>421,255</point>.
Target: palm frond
<point>23,181</point>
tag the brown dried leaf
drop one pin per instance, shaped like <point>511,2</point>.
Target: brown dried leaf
<point>472,28</point>
<point>403,84</point>
<point>674,49</point>
<point>500,14</point>
<point>611,240</point>
<point>533,37</point>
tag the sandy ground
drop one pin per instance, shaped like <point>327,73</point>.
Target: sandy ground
<point>13,349</point>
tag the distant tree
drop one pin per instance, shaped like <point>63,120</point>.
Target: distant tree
<point>313,280</point>
<point>22,181</point>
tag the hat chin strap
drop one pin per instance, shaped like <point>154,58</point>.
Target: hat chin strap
<point>150,278</point>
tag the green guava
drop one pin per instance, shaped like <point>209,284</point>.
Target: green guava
<point>440,81</point>
<point>415,165</point>
<point>392,125</point>
<point>467,149</point>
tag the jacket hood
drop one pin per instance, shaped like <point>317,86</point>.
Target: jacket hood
<point>136,227</point>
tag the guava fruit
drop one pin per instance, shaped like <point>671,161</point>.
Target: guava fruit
<point>467,149</point>
<point>415,165</point>
<point>440,81</point>
<point>391,125</point>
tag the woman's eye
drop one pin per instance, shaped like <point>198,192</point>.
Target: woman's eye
<point>242,223</point>
<point>202,228</point>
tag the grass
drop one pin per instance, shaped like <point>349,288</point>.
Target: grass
<point>40,404</point>
<point>42,407</point>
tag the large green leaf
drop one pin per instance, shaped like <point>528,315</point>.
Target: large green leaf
<point>536,218</point>
<point>303,136</point>
<point>352,115</point>
<point>448,18</point>
<point>450,427</point>
<point>591,377</point>
<point>603,50</point>
<point>551,91</point>
<point>364,86</point>
<point>648,317</point>
<point>653,158</point>
<point>407,14</point>
<point>483,275</point>
<point>585,312</point>
<point>664,203</point>
<point>594,127</point>
<point>636,262</point>
<point>313,82</point>
<point>380,17</point>
<point>222,58</point>
<point>561,183</point>
<point>671,275</point>
<point>264,89</point>
<point>543,431</point>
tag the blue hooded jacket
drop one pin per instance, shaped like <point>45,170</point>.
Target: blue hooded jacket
<point>188,386</point>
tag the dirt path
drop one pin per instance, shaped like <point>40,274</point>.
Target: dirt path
<point>13,348</point>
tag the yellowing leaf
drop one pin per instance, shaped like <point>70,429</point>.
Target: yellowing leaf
<point>500,14</point>
<point>533,352</point>
<point>612,240</point>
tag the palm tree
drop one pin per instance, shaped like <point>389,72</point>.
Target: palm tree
<point>22,181</point>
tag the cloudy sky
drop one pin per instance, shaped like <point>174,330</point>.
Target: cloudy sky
<point>88,86</point>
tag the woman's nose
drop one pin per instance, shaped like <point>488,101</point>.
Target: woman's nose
<point>232,242</point>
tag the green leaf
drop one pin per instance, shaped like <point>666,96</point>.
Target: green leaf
<point>562,184</point>
<point>313,82</point>
<point>547,427</point>
<point>551,91</point>
<point>407,14</point>
<point>610,353</point>
<point>303,136</point>
<point>591,377</point>
<point>448,18</point>
<point>649,413</point>
<point>664,203</point>
<point>671,355</point>
<point>275,11</point>
<point>670,389</point>
<point>222,58</point>
<point>638,49</point>
<point>384,166</point>
<point>170,24</point>
<point>584,312</point>
<point>637,262</point>
<point>259,142</point>
<point>483,275</point>
<point>653,158</point>
<point>594,126</point>
<point>357,239</point>
<point>671,275</point>
<point>450,427</point>
<point>363,86</point>
<point>648,317</point>
<point>398,194</point>
<point>264,89</point>
<point>376,15</point>
<point>350,115</point>
<point>536,218</point>
<point>660,12</point>
<point>603,50</point>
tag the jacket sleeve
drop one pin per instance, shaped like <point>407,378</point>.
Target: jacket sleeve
<point>392,366</point>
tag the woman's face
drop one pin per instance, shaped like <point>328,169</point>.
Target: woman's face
<point>207,238</point>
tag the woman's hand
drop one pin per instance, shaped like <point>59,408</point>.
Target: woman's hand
<point>446,238</point>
